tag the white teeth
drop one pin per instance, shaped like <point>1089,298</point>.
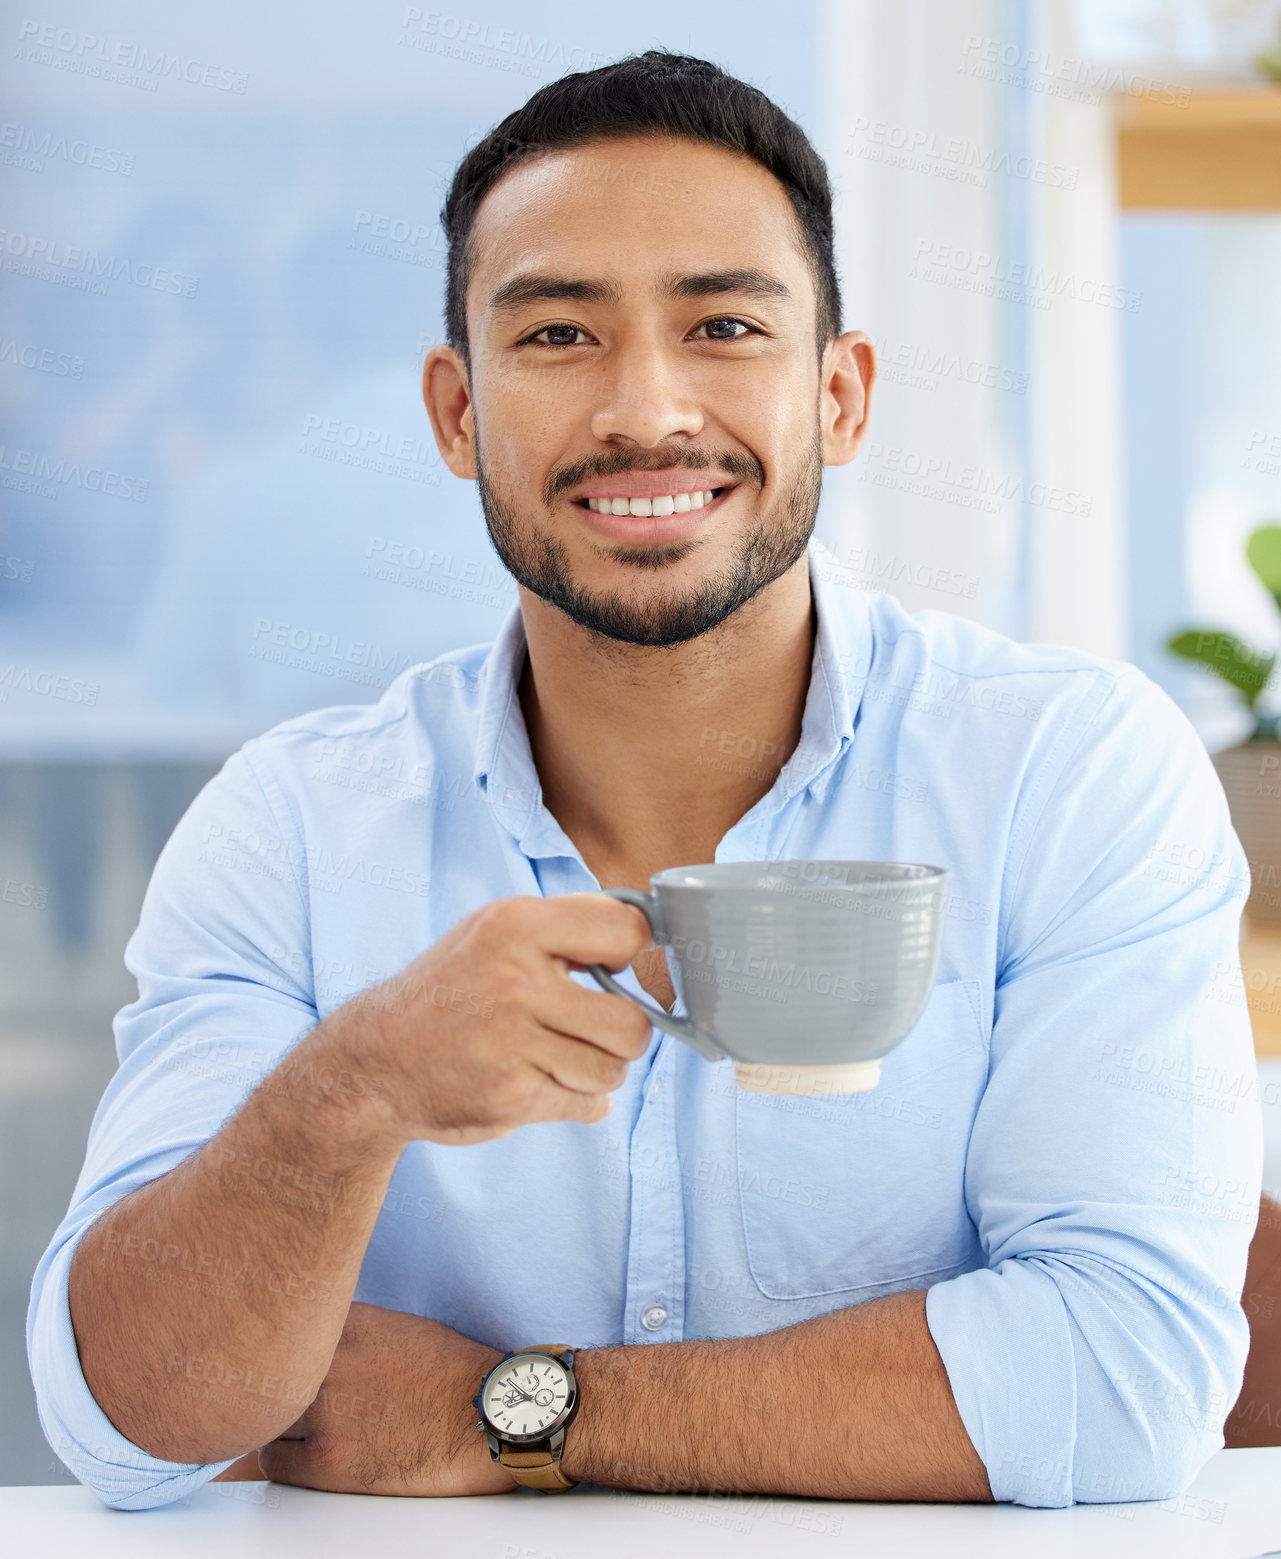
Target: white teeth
<point>642,508</point>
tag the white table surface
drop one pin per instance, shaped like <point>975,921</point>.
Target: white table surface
<point>1231,1511</point>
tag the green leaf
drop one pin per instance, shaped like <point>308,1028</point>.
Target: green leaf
<point>1226,655</point>
<point>1264,552</point>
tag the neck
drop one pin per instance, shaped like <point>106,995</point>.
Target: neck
<point>648,756</point>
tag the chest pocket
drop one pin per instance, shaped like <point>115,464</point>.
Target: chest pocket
<point>864,1189</point>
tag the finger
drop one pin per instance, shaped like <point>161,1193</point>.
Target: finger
<point>555,1103</point>
<point>589,928</point>
<point>287,1461</point>
<point>610,1023</point>
<point>306,1465</point>
<point>244,1469</point>
<point>577,1067</point>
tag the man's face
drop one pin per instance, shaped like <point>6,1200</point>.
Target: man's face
<point>615,352</point>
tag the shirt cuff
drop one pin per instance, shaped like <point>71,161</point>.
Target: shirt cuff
<point>1005,1341</point>
<point>81,1434</point>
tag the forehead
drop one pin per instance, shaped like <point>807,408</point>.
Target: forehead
<point>634,209</point>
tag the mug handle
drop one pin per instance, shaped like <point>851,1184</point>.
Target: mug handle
<point>681,1028</point>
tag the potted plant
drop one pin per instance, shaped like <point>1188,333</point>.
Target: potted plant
<point>1250,772</point>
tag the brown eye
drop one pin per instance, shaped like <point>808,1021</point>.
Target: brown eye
<point>709,324</point>
<point>549,330</point>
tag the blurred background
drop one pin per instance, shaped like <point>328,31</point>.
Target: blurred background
<point>220,500</point>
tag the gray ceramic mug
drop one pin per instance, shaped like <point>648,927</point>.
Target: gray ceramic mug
<point>806,973</point>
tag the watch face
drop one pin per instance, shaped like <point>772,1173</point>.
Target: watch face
<point>526,1395</point>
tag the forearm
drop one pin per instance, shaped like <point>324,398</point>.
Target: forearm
<point>852,1405</point>
<point>207,1304</point>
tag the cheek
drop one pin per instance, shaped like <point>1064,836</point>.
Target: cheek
<point>521,401</point>
<point>517,439</point>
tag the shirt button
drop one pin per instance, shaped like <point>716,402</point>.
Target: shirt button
<point>655,1091</point>
<point>652,1317</point>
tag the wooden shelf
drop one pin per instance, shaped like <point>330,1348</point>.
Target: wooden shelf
<point>1261,970</point>
<point>1218,151</point>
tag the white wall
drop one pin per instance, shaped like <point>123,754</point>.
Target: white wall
<point>976,234</point>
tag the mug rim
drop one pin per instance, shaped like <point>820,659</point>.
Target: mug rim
<point>898,874</point>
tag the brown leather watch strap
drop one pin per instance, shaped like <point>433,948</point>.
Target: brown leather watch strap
<point>537,1468</point>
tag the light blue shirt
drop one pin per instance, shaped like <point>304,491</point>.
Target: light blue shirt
<point>1066,1151</point>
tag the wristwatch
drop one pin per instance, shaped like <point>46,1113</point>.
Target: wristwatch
<point>525,1403</point>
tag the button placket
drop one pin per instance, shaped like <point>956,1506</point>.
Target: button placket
<point>656,1240</point>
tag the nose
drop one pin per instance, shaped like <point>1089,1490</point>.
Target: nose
<point>642,397</point>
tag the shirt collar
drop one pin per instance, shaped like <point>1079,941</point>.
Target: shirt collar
<point>504,769</point>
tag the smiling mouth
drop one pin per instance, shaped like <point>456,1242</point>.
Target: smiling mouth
<point>657,507</point>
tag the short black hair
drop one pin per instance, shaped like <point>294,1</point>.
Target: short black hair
<point>660,94</point>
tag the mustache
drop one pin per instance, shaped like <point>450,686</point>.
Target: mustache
<point>743,467</point>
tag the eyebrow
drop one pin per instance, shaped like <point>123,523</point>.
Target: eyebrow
<point>539,286</point>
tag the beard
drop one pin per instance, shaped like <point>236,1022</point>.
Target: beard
<point>540,562</point>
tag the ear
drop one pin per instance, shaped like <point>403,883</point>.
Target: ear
<point>849,371</point>
<point>447,396</point>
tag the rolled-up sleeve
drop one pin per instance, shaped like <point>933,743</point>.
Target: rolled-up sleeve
<point>224,991</point>
<point>1113,1171</point>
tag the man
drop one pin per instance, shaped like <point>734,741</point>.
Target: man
<point>366,1060</point>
